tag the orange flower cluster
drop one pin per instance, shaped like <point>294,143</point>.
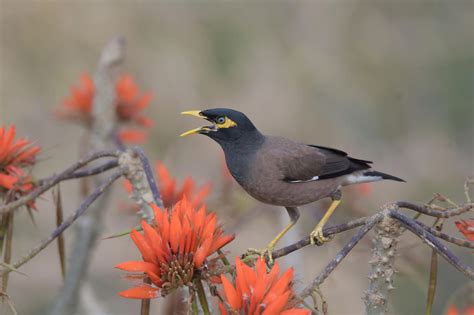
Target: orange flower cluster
<point>15,157</point>
<point>466,227</point>
<point>129,106</point>
<point>170,194</point>
<point>174,248</point>
<point>257,292</point>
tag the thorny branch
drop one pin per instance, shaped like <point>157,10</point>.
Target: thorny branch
<point>149,176</point>
<point>382,263</point>
<point>137,171</point>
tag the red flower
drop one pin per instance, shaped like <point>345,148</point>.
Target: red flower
<point>170,194</point>
<point>130,103</point>
<point>174,248</point>
<point>259,292</point>
<point>129,106</point>
<point>131,136</point>
<point>452,310</point>
<point>15,156</point>
<point>78,105</point>
<point>466,227</point>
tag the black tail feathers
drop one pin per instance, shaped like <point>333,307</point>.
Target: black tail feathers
<point>384,176</point>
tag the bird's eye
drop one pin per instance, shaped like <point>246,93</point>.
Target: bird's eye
<point>220,120</point>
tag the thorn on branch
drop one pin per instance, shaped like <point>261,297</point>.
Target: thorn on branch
<point>149,176</point>
<point>138,174</point>
<point>387,233</point>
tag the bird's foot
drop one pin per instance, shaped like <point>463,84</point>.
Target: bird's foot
<point>316,237</point>
<point>265,253</point>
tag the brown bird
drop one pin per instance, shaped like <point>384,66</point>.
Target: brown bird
<point>281,172</point>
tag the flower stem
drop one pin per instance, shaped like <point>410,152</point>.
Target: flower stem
<point>194,305</point>
<point>433,273</point>
<point>432,282</point>
<point>202,296</point>
<point>7,255</point>
<point>145,305</point>
<point>224,259</point>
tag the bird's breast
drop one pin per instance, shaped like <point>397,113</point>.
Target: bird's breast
<point>239,167</point>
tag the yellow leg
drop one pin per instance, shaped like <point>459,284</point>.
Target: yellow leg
<point>294,215</point>
<point>317,235</point>
<point>280,235</point>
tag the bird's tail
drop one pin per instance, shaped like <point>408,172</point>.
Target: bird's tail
<point>383,176</point>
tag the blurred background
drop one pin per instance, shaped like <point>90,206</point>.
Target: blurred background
<point>386,81</point>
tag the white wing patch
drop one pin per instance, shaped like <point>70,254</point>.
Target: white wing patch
<point>361,178</point>
<point>315,178</point>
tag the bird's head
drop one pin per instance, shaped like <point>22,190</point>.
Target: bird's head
<point>226,124</point>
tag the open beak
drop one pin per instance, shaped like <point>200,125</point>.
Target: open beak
<point>204,129</point>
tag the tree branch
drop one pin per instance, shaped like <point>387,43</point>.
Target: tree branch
<point>371,222</point>
<point>149,176</point>
<point>47,183</point>
<point>434,243</point>
<point>93,171</point>
<point>327,232</point>
<point>447,213</point>
<point>387,233</point>
<point>382,270</point>
<point>89,226</point>
<point>446,237</point>
<point>66,223</point>
<point>138,172</point>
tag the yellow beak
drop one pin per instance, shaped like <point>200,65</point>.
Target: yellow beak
<point>195,113</point>
<point>190,132</point>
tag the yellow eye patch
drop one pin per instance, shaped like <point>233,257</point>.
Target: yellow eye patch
<point>228,123</point>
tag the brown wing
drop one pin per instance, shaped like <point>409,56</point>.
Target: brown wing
<point>299,162</point>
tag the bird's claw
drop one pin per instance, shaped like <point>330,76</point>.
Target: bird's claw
<point>317,236</point>
<point>265,253</point>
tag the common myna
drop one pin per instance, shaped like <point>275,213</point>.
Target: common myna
<point>282,172</point>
